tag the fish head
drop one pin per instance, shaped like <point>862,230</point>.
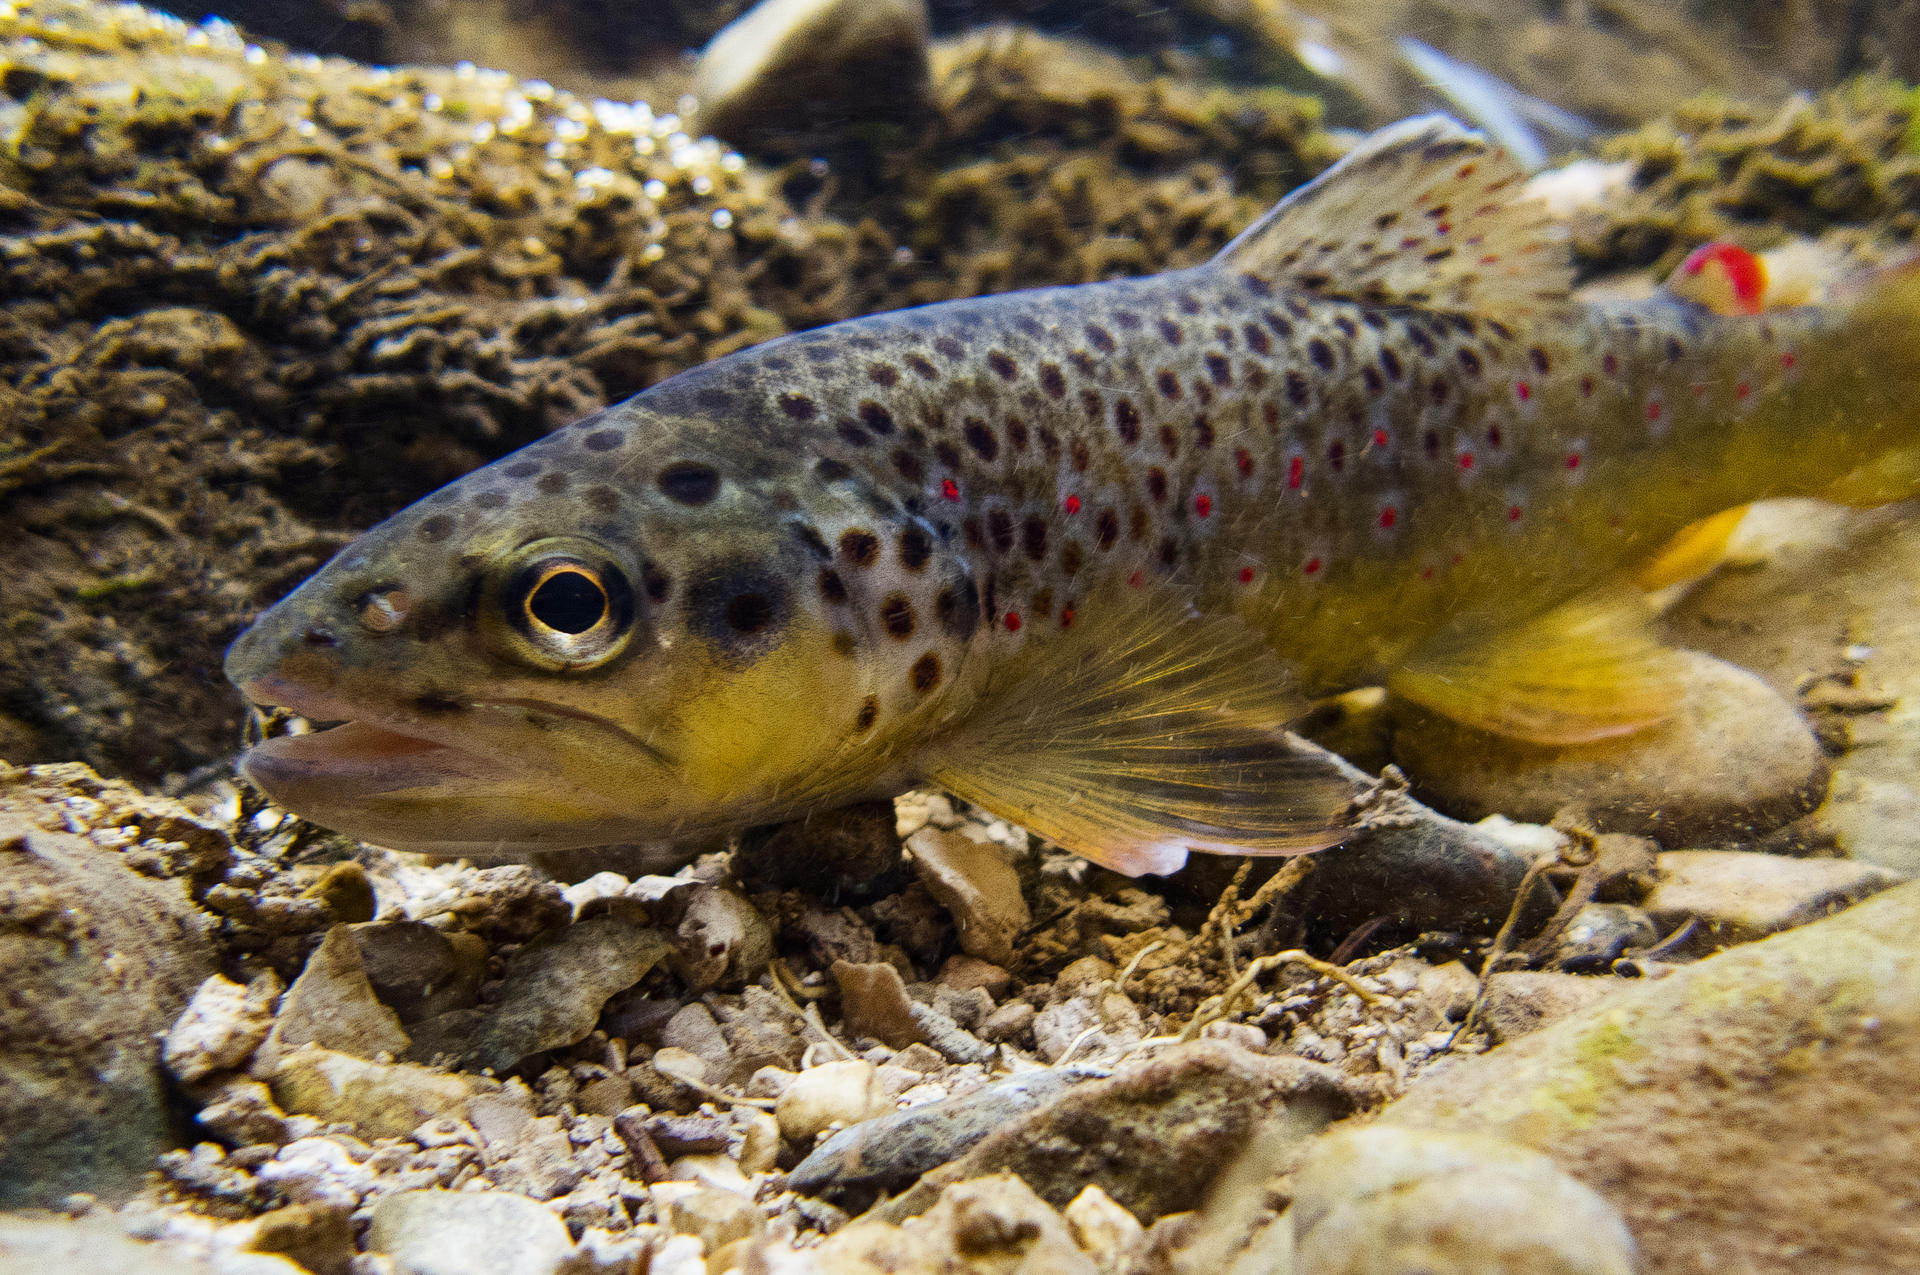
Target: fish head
<point>624,632</point>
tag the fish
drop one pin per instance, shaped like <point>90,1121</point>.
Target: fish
<point>1080,555</point>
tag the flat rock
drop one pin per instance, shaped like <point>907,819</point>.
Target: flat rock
<point>222,1026</point>
<point>1522,1001</point>
<point>1735,760</point>
<point>468,1233</point>
<point>1754,1112</point>
<point>104,1244</point>
<point>974,882</point>
<point>97,962</point>
<point>417,970</point>
<point>1738,896</point>
<point>332,1005</point>
<point>557,984</point>
<point>791,68</point>
<point>1386,1198</point>
<point>1154,1135</point>
<point>990,1226</point>
<point>890,1153</point>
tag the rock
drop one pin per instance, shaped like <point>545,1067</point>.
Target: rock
<point>1010,1024</point>
<point>693,1029</point>
<point>973,881</point>
<point>874,1003</point>
<point>511,903</point>
<point>1520,1001</point>
<point>1739,896</point>
<point>832,1093</point>
<point>1737,1112</point>
<point>103,1244</point>
<point>890,1152</point>
<point>813,67</point>
<point>97,962</point>
<point>380,1099</point>
<point>468,1233</point>
<point>1735,760</point>
<point>347,891</point>
<point>419,971</point>
<point>849,853</point>
<point>1420,870</point>
<point>992,1226</point>
<point>241,1112</point>
<point>1086,1014</point>
<point>718,937</point>
<point>332,1005</point>
<point>557,984</point>
<point>1155,1135</point>
<point>717,1218</point>
<point>222,1026</point>
<point>524,1153</point>
<point>1600,934</point>
<point>1393,1199</point>
<point>318,1238</point>
<point>1104,1231</point>
<point>965,973</point>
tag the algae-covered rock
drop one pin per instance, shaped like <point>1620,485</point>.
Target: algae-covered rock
<point>1755,1111</point>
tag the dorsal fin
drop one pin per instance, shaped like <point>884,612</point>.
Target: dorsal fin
<point>1423,212</point>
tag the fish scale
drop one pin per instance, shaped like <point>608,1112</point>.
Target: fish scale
<point>1077,554</point>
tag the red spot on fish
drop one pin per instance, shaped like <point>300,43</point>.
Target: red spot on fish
<point>1466,460</point>
<point>1787,360</point>
<point>1312,567</point>
<point>1490,259</point>
<point>1653,411</point>
<point>1573,460</point>
<point>1586,387</point>
<point>1379,438</point>
<point>1411,242</point>
<point>1012,621</point>
<point>1610,364</point>
<point>1699,389</point>
<point>1244,459</point>
<point>1135,580</point>
<point>1745,276</point>
<point>949,490</point>
<point>1465,171</point>
<point>1389,516</point>
<point>1427,574</point>
<point>1246,575</point>
<point>1296,472</point>
<point>1513,513</point>
<point>1203,504</point>
<point>1523,390</point>
<point>1445,228</point>
<point>1071,504</point>
<point>1742,390</point>
<point>1066,618</point>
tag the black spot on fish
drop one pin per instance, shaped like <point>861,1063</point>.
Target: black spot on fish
<point>948,348</point>
<point>1071,558</point>
<point>1370,377</point>
<point>436,528</point>
<point>1468,360</point>
<point>947,454</point>
<point>491,500</point>
<point>1126,419</point>
<point>1033,537</point>
<point>896,616</point>
<point>1202,432</point>
<point>1169,385</point>
<point>876,417</point>
<point>605,440</point>
<point>1052,380</point>
<point>860,547</point>
<point>690,482</point>
<point>807,536</point>
<point>1390,363</point>
<point>1127,319</point>
<point>1002,365</point>
<point>981,438</point>
<point>908,465</point>
<point>1016,433</point>
<point>925,673</point>
<point>1257,339</point>
<point>868,715</point>
<point>1220,369</point>
<point>1538,356</point>
<point>523,469</point>
<point>1170,332</point>
<point>851,433</point>
<point>1169,441</point>
<point>832,587</point>
<point>1421,341</point>
<point>739,608</point>
<point>922,367</point>
<point>603,500</point>
<point>798,406</point>
<point>1079,455</point>
<point>1281,327</point>
<point>1000,529</point>
<point>1106,529</point>
<point>883,373</point>
<point>1100,339</point>
<point>915,548</point>
<point>958,609</point>
<point>830,470</point>
<point>552,484</point>
<point>1157,485</point>
<point>1321,353</point>
<point>1438,389</point>
<point>1298,391</point>
<point>656,582</point>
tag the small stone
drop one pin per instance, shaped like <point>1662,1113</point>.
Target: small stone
<point>419,971</point>
<point>1010,1024</point>
<point>1245,1035</point>
<point>1104,1231</point>
<point>680,1255</point>
<point>380,1099</point>
<point>680,1064</point>
<point>557,984</point>
<point>993,1224</point>
<point>813,67</point>
<point>512,903</point>
<point>1735,760</point>
<point>1739,896</point>
<point>1600,934</point>
<point>1086,1015</point>
<point>718,937</point>
<point>832,1093</point>
<point>106,1243</point>
<point>681,1135</point>
<point>319,1238</point>
<point>965,973</point>
<point>1388,1199</point>
<point>716,1217</point>
<point>1521,1001</point>
<point>694,1030</point>
<point>974,882</point>
<point>875,1003</point>
<point>605,1095</point>
<point>241,1112</point>
<point>468,1233</point>
<point>759,1141</point>
<point>332,1005</point>
<point>222,1025</point>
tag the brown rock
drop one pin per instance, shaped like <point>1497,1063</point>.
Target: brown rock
<point>992,1226</point>
<point>1521,1001</point>
<point>1738,896</point>
<point>332,1005</point>
<point>973,881</point>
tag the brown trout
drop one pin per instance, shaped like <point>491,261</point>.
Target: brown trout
<point>1077,554</point>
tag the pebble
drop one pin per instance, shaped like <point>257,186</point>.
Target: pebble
<point>332,1005</point>
<point>468,1233</point>
<point>694,1029</point>
<point>978,886</point>
<point>832,1093</point>
<point>1736,760</point>
<point>1384,1199</point>
<point>849,853</point>
<point>222,1026</point>
<point>1086,1014</point>
<point>1104,1231</point>
<point>1522,1001</point>
<point>104,1244</point>
<point>1601,933</point>
<point>717,1218</point>
<point>420,971</point>
<point>993,1224</point>
<point>1738,896</point>
<point>557,984</point>
<point>1738,1109</point>
<point>98,962</point>
<point>787,63</point>
<point>719,939</point>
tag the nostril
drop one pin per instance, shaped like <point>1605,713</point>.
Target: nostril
<point>318,636</point>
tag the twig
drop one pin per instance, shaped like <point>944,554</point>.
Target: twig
<point>1222,920</point>
<point>810,1015</point>
<point>1120,984</point>
<point>1217,1007</point>
<point>1498,952</point>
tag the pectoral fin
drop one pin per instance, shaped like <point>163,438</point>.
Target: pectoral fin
<point>1139,736</point>
<point>1695,550</point>
<point>1590,669</point>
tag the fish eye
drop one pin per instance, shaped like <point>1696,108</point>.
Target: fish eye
<point>566,605</point>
